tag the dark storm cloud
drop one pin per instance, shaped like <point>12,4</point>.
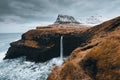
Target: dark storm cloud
<point>4,8</point>
<point>41,11</point>
<point>48,9</point>
<point>32,9</point>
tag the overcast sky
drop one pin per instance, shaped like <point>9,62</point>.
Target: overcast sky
<point>22,15</point>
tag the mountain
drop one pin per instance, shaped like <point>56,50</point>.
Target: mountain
<point>66,19</point>
<point>93,20</point>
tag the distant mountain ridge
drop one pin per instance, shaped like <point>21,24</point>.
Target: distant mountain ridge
<point>93,20</point>
<point>66,19</point>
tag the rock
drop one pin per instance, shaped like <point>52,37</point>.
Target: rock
<point>99,59</point>
<point>66,19</point>
<point>43,44</point>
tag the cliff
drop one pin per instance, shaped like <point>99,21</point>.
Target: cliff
<point>43,43</point>
<point>99,59</point>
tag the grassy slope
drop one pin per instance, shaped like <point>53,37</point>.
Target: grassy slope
<point>94,62</point>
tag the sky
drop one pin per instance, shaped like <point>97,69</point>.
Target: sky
<point>21,15</point>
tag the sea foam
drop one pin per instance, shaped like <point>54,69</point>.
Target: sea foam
<point>19,69</point>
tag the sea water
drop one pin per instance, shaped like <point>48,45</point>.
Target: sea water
<point>19,68</point>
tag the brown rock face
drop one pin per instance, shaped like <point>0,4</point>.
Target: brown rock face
<point>99,59</point>
<point>43,44</point>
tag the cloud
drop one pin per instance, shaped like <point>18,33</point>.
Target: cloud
<point>45,11</point>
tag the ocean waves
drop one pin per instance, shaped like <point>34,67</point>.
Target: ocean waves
<point>20,69</point>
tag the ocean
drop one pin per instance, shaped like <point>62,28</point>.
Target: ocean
<point>19,68</point>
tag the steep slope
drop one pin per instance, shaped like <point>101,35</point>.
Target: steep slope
<point>99,59</point>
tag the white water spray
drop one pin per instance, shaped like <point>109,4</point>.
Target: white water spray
<point>61,47</point>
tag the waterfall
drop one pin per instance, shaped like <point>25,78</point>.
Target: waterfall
<point>61,47</point>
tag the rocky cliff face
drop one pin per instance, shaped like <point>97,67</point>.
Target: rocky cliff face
<point>43,44</point>
<point>99,59</point>
<point>66,19</point>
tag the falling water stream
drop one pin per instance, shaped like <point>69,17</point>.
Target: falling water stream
<point>61,47</point>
